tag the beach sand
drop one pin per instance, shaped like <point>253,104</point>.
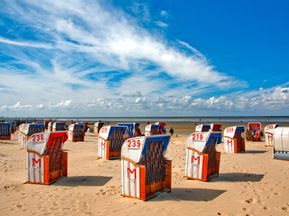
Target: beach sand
<point>250,183</point>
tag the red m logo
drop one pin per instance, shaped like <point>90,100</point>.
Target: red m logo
<point>129,172</point>
<point>34,162</point>
<point>229,141</point>
<point>195,159</point>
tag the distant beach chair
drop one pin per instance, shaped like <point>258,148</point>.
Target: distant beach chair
<point>46,160</point>
<point>5,131</point>
<point>202,128</point>
<point>269,131</point>
<point>233,140</point>
<point>144,168</point>
<point>131,128</point>
<point>59,126</point>
<point>281,143</point>
<point>97,127</point>
<point>253,131</point>
<point>28,129</point>
<point>110,141</point>
<point>76,132</point>
<point>202,159</point>
<point>156,128</point>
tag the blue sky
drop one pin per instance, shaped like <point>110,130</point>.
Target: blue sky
<point>144,58</point>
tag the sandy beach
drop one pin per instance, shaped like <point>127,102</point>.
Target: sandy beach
<point>250,183</point>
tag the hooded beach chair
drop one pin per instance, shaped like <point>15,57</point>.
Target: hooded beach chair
<point>110,140</point>
<point>28,129</point>
<point>281,143</point>
<point>59,126</point>
<point>202,159</point>
<point>5,131</point>
<point>97,127</point>
<point>269,131</point>
<point>131,128</point>
<point>144,168</point>
<point>152,129</point>
<point>76,132</point>
<point>253,132</point>
<point>233,140</point>
<point>46,160</point>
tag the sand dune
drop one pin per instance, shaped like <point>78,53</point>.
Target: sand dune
<point>250,183</point>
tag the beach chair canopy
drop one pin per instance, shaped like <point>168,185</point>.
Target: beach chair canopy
<point>130,127</point>
<point>136,148</point>
<point>231,132</point>
<point>79,127</point>
<point>46,142</point>
<point>270,127</point>
<point>216,127</point>
<point>281,140</point>
<point>31,128</point>
<point>203,128</point>
<point>200,140</point>
<point>59,126</point>
<point>107,132</point>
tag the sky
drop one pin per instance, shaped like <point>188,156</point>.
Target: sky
<point>144,58</point>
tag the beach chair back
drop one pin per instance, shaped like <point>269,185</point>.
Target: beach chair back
<point>145,169</point>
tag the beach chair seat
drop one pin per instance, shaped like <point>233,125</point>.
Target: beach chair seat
<point>46,161</point>
<point>281,143</point>
<point>202,159</point>
<point>233,140</point>
<point>110,141</point>
<point>144,168</point>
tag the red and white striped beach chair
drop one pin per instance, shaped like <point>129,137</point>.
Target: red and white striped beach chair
<point>46,160</point>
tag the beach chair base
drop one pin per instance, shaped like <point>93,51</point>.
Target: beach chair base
<point>5,137</point>
<point>281,155</point>
<point>39,169</point>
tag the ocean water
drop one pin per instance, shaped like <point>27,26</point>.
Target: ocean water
<point>209,119</point>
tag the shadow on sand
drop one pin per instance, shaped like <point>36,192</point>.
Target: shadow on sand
<point>189,194</point>
<point>238,177</point>
<point>75,181</point>
<point>253,152</point>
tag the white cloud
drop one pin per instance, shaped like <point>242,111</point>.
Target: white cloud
<point>25,43</point>
<point>161,24</point>
<point>266,101</point>
<point>164,13</point>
